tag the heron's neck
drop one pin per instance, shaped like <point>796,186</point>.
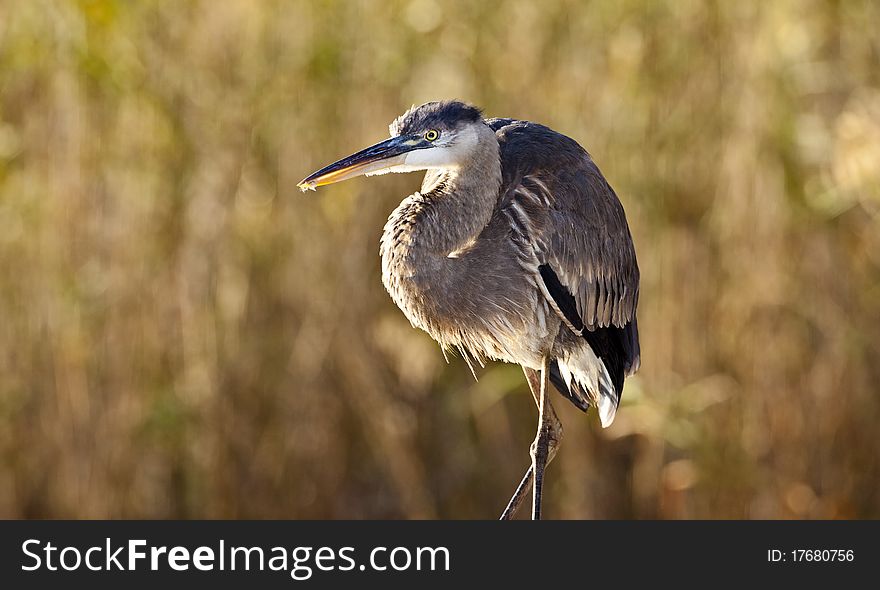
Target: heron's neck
<point>453,207</point>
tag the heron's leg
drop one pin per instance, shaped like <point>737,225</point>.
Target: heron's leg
<point>541,447</point>
<point>533,378</point>
<point>518,496</point>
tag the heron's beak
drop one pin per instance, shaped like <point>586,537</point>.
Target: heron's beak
<point>382,156</point>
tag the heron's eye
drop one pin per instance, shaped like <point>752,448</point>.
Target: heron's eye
<point>432,134</point>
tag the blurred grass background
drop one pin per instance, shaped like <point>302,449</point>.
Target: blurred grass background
<point>184,334</point>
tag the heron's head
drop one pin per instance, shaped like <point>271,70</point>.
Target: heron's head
<point>436,135</point>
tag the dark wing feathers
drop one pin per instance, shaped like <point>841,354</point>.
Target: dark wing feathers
<point>561,296</point>
<point>617,347</point>
<point>590,245</point>
<point>578,228</point>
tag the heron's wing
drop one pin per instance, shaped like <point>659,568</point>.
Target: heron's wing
<point>558,200</point>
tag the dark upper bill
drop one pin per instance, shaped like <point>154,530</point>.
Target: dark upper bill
<point>383,155</point>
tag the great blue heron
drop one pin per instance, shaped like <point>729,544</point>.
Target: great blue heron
<point>515,249</point>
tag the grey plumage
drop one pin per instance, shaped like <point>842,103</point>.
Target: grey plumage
<point>515,248</point>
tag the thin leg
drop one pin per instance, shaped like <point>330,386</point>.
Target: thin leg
<point>541,446</point>
<point>533,378</point>
<point>518,496</point>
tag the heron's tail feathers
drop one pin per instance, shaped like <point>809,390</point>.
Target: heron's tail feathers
<point>588,383</point>
<point>573,395</point>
